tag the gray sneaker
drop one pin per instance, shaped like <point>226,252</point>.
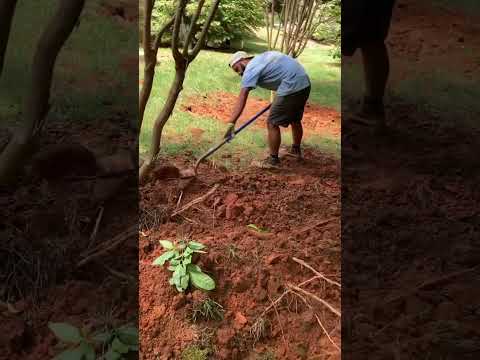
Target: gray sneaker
<point>268,163</point>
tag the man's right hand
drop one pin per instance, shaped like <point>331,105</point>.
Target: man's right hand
<point>230,130</point>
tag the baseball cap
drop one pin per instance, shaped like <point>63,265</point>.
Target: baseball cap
<point>239,55</point>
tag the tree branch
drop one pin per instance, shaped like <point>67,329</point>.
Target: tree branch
<point>203,35</point>
<point>176,31</point>
<point>193,25</point>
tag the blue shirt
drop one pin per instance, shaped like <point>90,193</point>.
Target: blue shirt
<point>275,71</point>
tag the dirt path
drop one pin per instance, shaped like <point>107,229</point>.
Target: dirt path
<point>251,269</point>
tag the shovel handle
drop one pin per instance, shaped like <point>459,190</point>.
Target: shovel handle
<point>218,146</point>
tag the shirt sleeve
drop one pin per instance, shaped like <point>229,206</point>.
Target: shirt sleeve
<point>250,77</point>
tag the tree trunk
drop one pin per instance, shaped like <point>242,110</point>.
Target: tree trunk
<point>150,58</point>
<point>7,10</point>
<point>160,122</point>
<point>37,102</point>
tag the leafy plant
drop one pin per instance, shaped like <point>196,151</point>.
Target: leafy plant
<point>256,228</point>
<point>184,272</point>
<point>82,346</point>
<point>207,309</point>
<point>233,20</point>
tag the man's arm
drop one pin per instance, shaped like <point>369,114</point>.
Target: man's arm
<point>242,100</point>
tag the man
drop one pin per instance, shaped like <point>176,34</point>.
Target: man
<point>365,26</point>
<point>275,71</point>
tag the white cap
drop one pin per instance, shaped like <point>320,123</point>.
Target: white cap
<point>239,55</point>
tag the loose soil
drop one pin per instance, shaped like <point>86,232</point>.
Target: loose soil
<point>317,119</point>
<point>47,222</point>
<point>289,203</point>
<point>410,208</point>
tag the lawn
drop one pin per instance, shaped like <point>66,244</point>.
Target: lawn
<point>210,73</point>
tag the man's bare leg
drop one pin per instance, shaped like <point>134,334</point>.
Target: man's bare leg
<point>376,67</point>
<point>274,139</point>
<point>297,135</point>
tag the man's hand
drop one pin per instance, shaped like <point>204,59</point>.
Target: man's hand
<point>230,129</point>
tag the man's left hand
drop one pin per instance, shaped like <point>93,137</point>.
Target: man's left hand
<point>230,130</point>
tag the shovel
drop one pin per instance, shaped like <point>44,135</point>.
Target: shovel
<point>227,140</point>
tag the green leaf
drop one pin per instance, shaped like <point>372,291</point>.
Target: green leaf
<point>187,260</point>
<point>174,262</point>
<point>160,261</point>
<point>71,354</point>
<point>112,355</point>
<point>171,281</point>
<point>167,244</point>
<point>196,245</point>
<point>128,335</point>
<point>102,337</point>
<point>188,251</point>
<point>66,332</point>
<point>171,268</point>
<point>82,352</point>
<point>119,347</point>
<point>193,267</point>
<point>184,281</point>
<point>201,280</point>
<point>88,351</point>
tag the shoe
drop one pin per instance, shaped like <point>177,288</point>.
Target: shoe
<point>371,114</point>
<point>268,163</point>
<point>292,152</point>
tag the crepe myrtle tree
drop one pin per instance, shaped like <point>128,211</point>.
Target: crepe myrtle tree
<point>184,55</point>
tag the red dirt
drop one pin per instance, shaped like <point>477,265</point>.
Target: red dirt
<point>219,105</point>
<point>410,203</point>
<point>287,204</point>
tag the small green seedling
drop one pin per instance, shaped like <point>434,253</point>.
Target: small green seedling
<point>207,309</point>
<point>258,229</point>
<point>82,346</point>
<point>180,264</point>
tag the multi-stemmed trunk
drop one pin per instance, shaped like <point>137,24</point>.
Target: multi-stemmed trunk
<point>37,103</point>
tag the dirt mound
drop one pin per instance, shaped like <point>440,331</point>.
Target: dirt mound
<point>251,268</point>
<point>219,105</point>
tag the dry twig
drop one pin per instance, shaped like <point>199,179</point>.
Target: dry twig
<point>301,262</point>
<point>315,297</point>
<point>95,229</point>
<point>196,201</point>
<point>112,244</point>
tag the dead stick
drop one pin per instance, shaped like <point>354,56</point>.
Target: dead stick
<point>95,229</point>
<point>285,293</point>
<point>318,223</point>
<point>115,242</point>
<point>315,297</point>
<point>196,201</point>
<point>301,262</point>
<point>326,332</point>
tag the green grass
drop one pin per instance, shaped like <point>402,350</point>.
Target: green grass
<point>87,82</point>
<point>209,73</point>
